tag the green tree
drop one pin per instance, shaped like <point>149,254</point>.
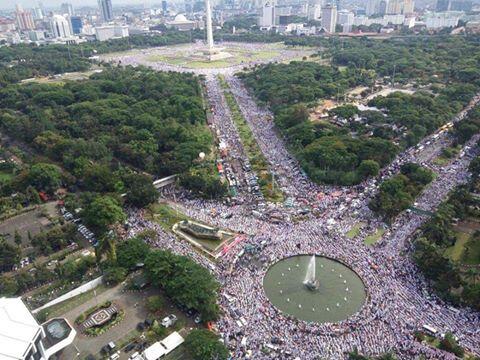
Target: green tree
<point>368,168</point>
<point>474,167</point>
<point>17,238</point>
<point>140,190</point>
<point>204,345</point>
<point>131,252</point>
<point>448,343</point>
<point>155,303</point>
<point>184,281</point>
<point>114,275</point>
<point>102,213</point>
<point>9,255</point>
<point>8,286</point>
<point>46,177</point>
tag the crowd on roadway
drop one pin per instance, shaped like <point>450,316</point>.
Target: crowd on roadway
<point>398,301</point>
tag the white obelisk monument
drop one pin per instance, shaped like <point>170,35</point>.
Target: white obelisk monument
<point>208,11</point>
<point>213,53</point>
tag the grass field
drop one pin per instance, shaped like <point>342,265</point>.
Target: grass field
<point>455,252</point>
<point>466,249</point>
<point>373,238</point>
<point>355,230</point>
<point>5,175</point>
<point>165,216</point>
<point>191,60</point>
<point>67,305</point>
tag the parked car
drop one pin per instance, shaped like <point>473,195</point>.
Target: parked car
<point>169,320</point>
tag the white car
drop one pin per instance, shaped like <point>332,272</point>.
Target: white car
<point>169,320</point>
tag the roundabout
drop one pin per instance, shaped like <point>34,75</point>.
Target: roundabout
<point>339,294</point>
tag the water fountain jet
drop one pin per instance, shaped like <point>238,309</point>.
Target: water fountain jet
<point>310,281</point>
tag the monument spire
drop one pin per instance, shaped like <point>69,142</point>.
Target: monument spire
<point>208,12</point>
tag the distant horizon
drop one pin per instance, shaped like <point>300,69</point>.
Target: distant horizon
<point>76,3</point>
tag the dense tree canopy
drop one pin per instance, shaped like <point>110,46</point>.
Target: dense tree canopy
<point>203,344</point>
<point>102,213</point>
<point>151,121</point>
<point>24,61</point>
<point>184,281</point>
<point>132,252</point>
<point>452,279</point>
<point>335,152</point>
<point>398,193</point>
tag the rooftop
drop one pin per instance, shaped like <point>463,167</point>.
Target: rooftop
<point>17,328</point>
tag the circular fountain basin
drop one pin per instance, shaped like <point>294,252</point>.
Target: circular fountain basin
<point>340,292</point>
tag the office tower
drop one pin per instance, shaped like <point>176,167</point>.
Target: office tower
<point>345,17</point>
<point>461,5</point>
<point>408,7</point>
<point>164,7</point>
<point>106,10</point>
<point>443,5</point>
<point>77,24</point>
<point>60,27</point>
<point>394,6</point>
<point>373,7</point>
<point>382,7</point>
<point>66,9</point>
<point>24,19</point>
<point>314,11</point>
<point>329,18</point>
<point>38,13</point>
<point>268,14</point>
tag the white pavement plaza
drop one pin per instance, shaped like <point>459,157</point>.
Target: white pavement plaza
<point>398,301</point>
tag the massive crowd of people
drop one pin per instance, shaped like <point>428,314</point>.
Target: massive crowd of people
<point>398,301</point>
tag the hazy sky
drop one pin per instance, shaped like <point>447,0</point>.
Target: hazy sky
<point>5,4</point>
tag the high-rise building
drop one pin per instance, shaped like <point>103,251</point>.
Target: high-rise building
<point>394,6</point>
<point>77,24</point>
<point>164,7</point>
<point>66,9</point>
<point>443,5</point>
<point>106,10</point>
<point>24,19</point>
<point>329,18</point>
<point>461,5</point>
<point>314,12</point>
<point>38,13</point>
<point>345,18</point>
<point>408,7</point>
<point>373,7</point>
<point>60,27</point>
<point>382,7</point>
<point>267,20</point>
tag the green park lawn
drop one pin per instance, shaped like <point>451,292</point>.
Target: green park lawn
<point>165,215</point>
<point>5,175</point>
<point>355,230</point>
<point>455,252</point>
<point>373,238</point>
<point>466,249</point>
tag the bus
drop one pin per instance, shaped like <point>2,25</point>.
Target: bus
<point>430,330</point>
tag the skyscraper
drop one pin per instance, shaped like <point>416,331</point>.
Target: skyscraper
<point>66,9</point>
<point>164,6</point>
<point>329,18</point>
<point>59,26</point>
<point>268,14</point>
<point>24,19</point>
<point>373,7</point>
<point>443,5</point>
<point>77,24</point>
<point>106,10</point>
